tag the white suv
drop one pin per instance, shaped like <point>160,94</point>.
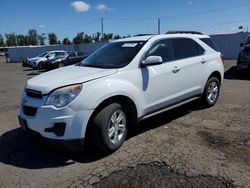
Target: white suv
<point>104,96</point>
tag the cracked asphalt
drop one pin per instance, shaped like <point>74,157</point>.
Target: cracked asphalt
<point>188,146</point>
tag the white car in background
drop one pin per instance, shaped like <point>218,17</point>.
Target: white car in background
<point>104,96</point>
<point>36,62</point>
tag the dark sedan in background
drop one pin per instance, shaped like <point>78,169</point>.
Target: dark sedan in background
<point>243,62</point>
<point>67,59</point>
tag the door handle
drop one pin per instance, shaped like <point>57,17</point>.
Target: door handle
<point>203,61</point>
<point>176,69</point>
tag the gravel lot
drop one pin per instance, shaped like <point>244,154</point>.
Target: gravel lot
<point>188,146</point>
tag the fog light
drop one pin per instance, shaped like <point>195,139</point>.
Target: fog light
<point>58,129</point>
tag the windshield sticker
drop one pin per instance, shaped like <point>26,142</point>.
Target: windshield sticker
<point>129,45</point>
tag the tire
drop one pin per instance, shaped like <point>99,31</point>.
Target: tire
<point>60,65</point>
<point>211,92</point>
<point>39,66</point>
<point>108,134</point>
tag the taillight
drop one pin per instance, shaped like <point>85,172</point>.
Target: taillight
<point>222,58</point>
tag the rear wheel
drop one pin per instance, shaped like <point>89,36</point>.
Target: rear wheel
<point>110,127</point>
<point>211,92</point>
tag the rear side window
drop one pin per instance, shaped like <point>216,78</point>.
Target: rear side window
<point>185,48</point>
<point>210,43</point>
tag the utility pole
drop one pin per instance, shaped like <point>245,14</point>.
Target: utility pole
<point>102,26</point>
<point>159,25</point>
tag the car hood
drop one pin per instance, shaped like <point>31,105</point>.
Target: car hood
<point>34,58</point>
<point>51,80</point>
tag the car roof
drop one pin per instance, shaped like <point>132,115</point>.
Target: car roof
<point>147,37</point>
<point>57,51</point>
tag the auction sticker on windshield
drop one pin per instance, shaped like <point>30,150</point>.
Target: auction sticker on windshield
<point>129,45</point>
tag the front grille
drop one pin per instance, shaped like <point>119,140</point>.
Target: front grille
<point>29,111</point>
<point>34,94</point>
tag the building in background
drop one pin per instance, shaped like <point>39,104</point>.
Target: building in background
<point>229,44</point>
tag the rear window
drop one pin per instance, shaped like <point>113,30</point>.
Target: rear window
<point>210,43</point>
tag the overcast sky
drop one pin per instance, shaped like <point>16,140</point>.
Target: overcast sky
<point>127,17</point>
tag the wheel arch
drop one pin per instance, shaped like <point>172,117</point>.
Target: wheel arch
<point>126,101</point>
<point>217,75</point>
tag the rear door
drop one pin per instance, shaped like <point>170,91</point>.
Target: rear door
<point>189,61</point>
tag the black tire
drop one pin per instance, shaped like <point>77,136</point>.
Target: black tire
<point>207,91</point>
<point>39,66</point>
<point>60,65</point>
<point>102,125</point>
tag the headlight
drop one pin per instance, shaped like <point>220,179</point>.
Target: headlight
<point>63,96</point>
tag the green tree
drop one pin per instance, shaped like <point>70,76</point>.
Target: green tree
<point>87,39</point>
<point>97,37</point>
<point>79,38</point>
<point>52,38</point>
<point>1,41</point>
<point>21,40</point>
<point>66,41</point>
<point>33,37</point>
<point>41,39</point>
<point>107,36</point>
<point>10,39</point>
<point>117,37</point>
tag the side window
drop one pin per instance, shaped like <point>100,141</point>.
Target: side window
<point>52,55</point>
<point>72,55</point>
<point>163,48</point>
<point>185,48</point>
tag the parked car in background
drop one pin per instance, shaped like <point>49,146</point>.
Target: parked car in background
<point>65,60</point>
<point>243,62</point>
<point>36,62</point>
<point>128,80</point>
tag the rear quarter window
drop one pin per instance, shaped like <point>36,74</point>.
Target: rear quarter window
<point>210,43</point>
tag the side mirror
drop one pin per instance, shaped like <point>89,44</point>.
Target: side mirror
<point>152,60</point>
<point>242,45</point>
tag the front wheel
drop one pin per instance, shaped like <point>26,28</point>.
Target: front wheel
<point>60,65</point>
<point>211,92</point>
<point>110,128</point>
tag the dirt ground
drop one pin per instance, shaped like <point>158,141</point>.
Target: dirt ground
<point>185,147</point>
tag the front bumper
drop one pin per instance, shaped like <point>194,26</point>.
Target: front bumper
<point>69,145</point>
<point>243,65</point>
<point>44,120</point>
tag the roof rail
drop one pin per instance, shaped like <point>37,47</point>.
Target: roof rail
<point>184,32</point>
<point>138,35</point>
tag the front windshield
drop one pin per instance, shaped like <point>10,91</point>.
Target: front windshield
<point>43,54</point>
<point>114,55</point>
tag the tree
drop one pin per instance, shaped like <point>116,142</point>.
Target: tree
<point>1,41</point>
<point>41,39</point>
<point>117,37</point>
<point>97,36</point>
<point>21,40</point>
<point>79,38</point>
<point>52,38</point>
<point>66,41</point>
<point>33,37</point>
<point>107,36</point>
<point>10,39</point>
<point>87,39</point>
